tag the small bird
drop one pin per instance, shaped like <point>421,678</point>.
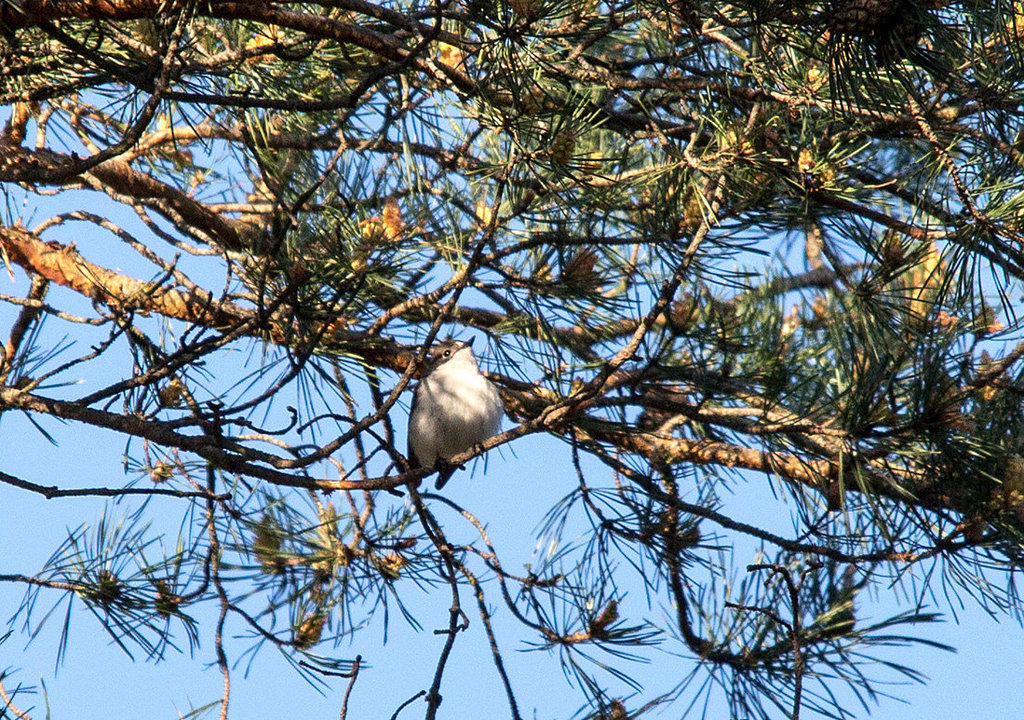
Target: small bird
<point>454,407</point>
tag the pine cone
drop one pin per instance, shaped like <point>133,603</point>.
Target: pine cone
<point>863,18</point>
<point>893,28</point>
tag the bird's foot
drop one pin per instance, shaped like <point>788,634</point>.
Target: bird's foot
<point>443,465</point>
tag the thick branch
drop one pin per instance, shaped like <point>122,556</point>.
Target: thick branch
<point>25,13</point>
<point>65,266</point>
<point>818,474</point>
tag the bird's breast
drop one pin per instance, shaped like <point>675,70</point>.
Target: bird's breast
<point>464,407</point>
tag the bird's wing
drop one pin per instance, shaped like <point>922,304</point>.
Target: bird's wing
<point>414,461</point>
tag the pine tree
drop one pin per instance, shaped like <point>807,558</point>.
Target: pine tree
<point>711,248</point>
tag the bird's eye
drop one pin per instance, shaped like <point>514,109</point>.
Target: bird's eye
<point>447,353</point>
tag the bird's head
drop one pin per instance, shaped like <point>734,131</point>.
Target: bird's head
<point>450,350</point>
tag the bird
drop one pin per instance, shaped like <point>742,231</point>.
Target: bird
<point>454,407</point>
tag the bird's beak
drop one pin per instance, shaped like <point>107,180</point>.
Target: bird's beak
<point>470,341</point>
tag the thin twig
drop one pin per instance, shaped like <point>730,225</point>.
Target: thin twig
<point>9,702</point>
<point>351,684</point>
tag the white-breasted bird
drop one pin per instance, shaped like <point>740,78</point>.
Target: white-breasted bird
<point>454,407</point>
